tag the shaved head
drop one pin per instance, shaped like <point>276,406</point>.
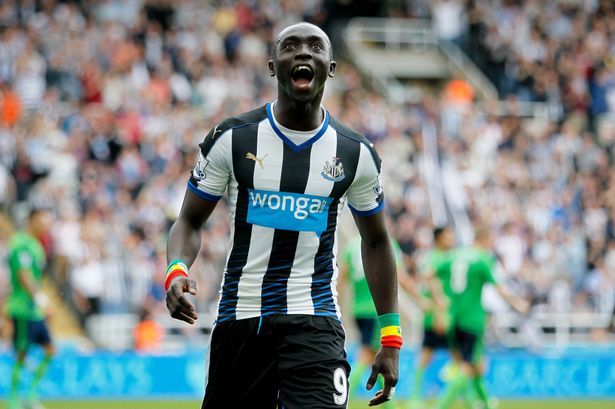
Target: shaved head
<point>288,30</point>
<point>306,47</point>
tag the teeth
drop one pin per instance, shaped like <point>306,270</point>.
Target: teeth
<point>302,67</point>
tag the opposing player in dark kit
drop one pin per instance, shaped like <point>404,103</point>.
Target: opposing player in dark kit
<point>288,168</point>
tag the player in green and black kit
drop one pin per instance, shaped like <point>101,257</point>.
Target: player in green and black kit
<point>464,275</point>
<point>435,317</point>
<point>363,309</point>
<point>27,306</point>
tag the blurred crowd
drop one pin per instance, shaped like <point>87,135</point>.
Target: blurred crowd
<point>103,104</point>
<point>103,107</point>
<point>558,52</point>
<point>548,186</point>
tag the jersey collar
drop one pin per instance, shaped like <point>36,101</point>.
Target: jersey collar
<point>287,141</point>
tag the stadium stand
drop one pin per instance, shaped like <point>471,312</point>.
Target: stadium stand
<point>103,103</point>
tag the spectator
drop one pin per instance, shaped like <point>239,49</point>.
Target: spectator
<point>88,279</point>
<point>147,334</point>
<point>10,106</point>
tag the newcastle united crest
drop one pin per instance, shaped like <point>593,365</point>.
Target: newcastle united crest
<point>333,170</point>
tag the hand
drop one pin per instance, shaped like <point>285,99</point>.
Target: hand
<point>42,301</point>
<point>425,304</point>
<point>177,304</point>
<point>48,311</point>
<point>386,363</point>
<point>522,306</point>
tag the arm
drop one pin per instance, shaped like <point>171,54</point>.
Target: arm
<point>381,275</point>
<point>409,285</point>
<point>206,186</point>
<point>437,292</point>
<point>27,281</point>
<point>518,303</point>
<point>440,303</point>
<point>183,243</point>
<point>378,262</point>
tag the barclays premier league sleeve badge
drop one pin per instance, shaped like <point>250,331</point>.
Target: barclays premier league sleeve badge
<point>378,188</point>
<point>199,169</point>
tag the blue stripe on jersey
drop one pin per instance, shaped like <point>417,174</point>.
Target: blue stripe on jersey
<point>290,143</point>
<point>202,194</point>
<point>371,212</point>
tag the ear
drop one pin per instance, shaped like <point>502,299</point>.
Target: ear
<point>332,66</point>
<point>271,68</point>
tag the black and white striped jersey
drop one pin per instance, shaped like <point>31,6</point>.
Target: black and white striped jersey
<point>286,191</point>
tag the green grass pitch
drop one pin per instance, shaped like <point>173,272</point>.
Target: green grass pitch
<point>514,404</point>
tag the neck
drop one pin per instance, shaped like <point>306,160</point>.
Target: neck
<point>296,115</point>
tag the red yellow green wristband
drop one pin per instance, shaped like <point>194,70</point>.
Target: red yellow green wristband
<point>177,264</point>
<point>176,268</point>
<point>390,330</point>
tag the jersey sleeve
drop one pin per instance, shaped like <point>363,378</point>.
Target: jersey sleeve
<point>22,259</point>
<point>212,171</point>
<point>365,195</point>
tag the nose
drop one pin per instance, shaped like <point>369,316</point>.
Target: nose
<point>303,52</point>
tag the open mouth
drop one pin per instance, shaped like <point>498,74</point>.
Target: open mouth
<point>302,75</point>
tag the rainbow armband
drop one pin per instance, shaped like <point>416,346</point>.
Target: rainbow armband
<point>175,268</point>
<point>390,330</point>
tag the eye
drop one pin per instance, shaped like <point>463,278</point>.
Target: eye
<point>317,46</point>
<point>288,45</point>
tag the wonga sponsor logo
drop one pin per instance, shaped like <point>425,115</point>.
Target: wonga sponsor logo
<point>288,211</point>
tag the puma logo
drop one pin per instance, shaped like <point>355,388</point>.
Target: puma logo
<point>255,159</point>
